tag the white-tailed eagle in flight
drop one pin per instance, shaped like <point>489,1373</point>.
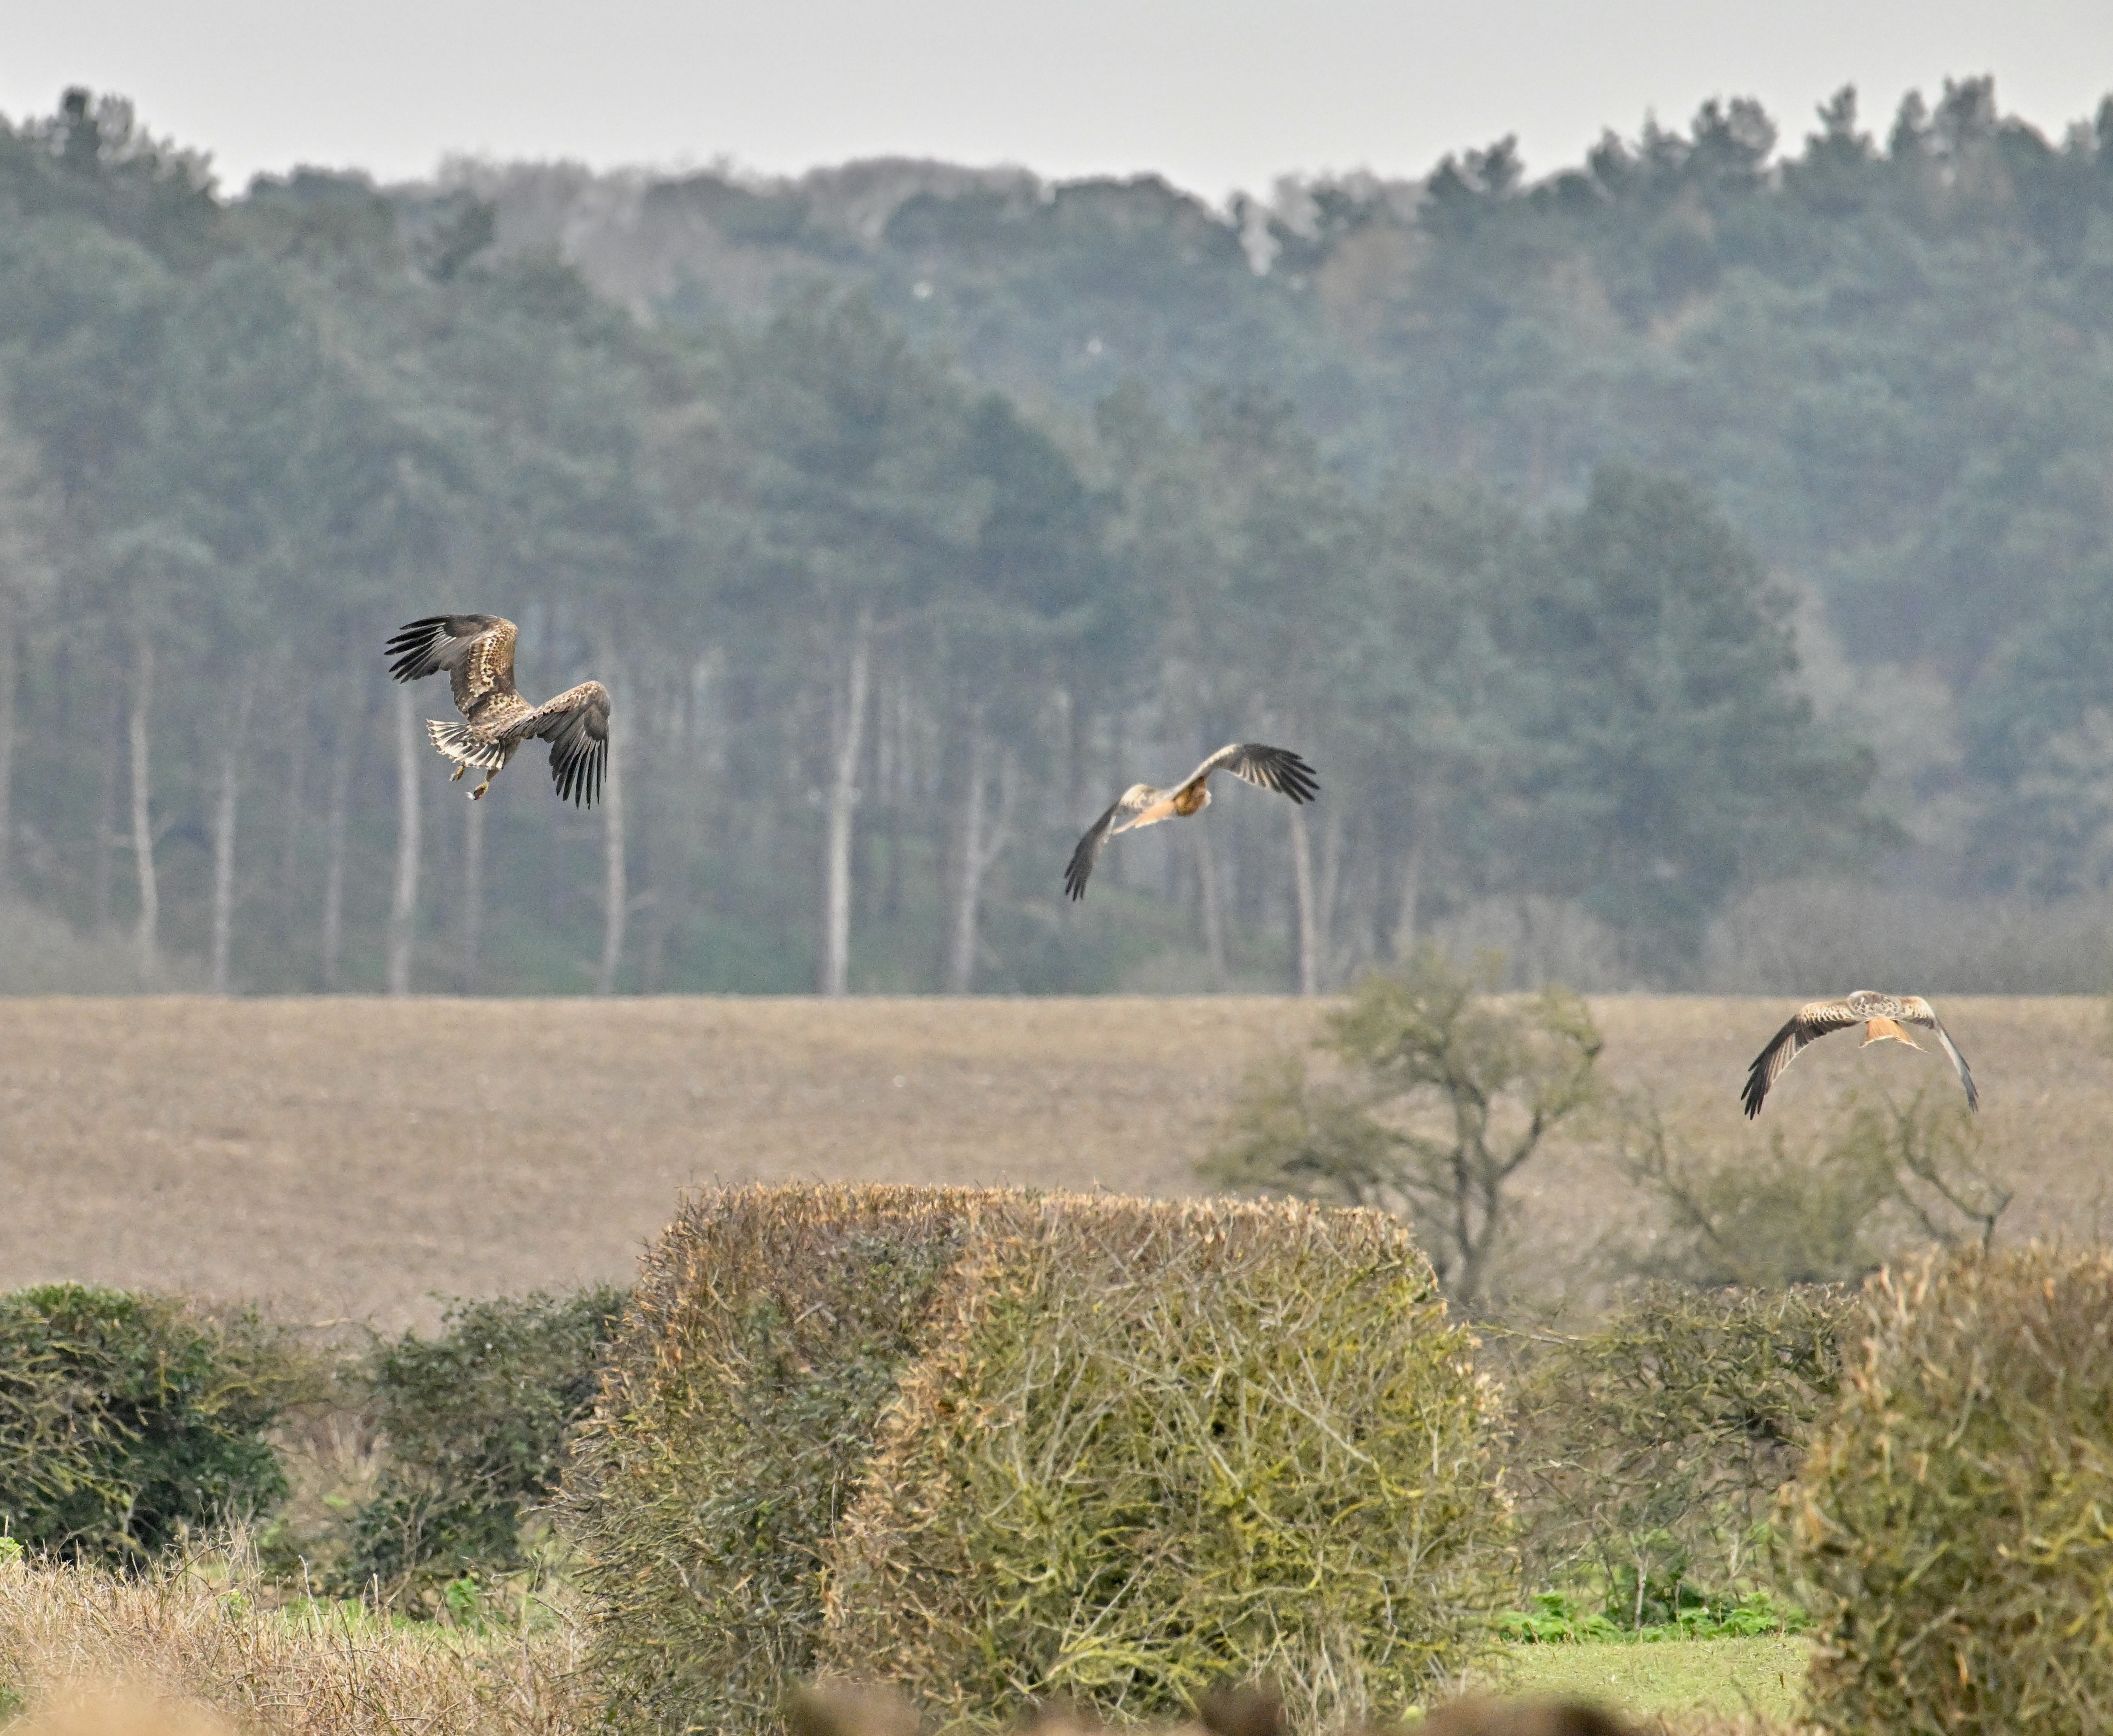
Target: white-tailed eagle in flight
<point>1266,767</point>
<point>1880,1016</point>
<point>477,653</point>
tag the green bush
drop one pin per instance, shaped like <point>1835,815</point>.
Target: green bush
<point>1157,1447</point>
<point>476,1422</point>
<point>1952,1519</point>
<point>1647,1457</point>
<point>126,1419</point>
<point>767,1331</point>
<point>994,1447</point>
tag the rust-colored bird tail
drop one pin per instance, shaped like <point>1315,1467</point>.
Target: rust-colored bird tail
<point>1885,1031</point>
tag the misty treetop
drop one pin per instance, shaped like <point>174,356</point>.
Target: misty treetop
<point>1884,346</point>
<point>894,589</point>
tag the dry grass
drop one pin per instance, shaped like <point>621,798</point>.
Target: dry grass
<point>194,1648</point>
<point>351,1156</point>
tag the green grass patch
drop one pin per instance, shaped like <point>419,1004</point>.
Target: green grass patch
<point>1763,1676</point>
<point>1556,1618</point>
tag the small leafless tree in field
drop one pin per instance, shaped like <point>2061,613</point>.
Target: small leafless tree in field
<point>1447,1091</point>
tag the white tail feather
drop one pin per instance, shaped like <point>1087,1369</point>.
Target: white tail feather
<point>455,740</point>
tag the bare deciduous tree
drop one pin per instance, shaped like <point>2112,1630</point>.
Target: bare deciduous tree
<point>1447,1090</point>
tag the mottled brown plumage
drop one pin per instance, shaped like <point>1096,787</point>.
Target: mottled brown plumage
<point>1882,1017</point>
<point>1266,767</point>
<point>477,653</point>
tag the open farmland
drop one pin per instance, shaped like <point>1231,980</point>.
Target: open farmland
<point>350,1157</point>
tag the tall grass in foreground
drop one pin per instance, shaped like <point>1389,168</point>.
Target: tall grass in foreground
<point>195,1644</point>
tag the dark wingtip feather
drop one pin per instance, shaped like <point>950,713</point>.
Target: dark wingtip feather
<point>413,644</point>
<point>1756,1088</point>
<point>1080,868</point>
<point>1294,777</point>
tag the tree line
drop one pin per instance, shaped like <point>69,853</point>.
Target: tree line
<point>1884,348</point>
<point>883,637</point>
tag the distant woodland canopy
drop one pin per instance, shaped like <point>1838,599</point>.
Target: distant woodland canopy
<point>1622,546</point>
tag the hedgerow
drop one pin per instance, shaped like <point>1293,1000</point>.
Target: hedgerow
<point>1952,1519</point>
<point>1158,1446</point>
<point>994,1447</point>
<point>767,1331</point>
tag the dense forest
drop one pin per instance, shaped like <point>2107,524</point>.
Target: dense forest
<point>1686,569</point>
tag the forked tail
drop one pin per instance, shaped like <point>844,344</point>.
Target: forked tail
<point>1885,1031</point>
<point>464,747</point>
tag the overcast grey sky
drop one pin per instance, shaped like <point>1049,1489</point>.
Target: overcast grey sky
<point>1216,95</point>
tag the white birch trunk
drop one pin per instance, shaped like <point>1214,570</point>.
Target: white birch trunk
<point>979,851</point>
<point>1328,892</point>
<point>403,908</point>
<point>106,807</point>
<point>289,845</point>
<point>335,818</point>
<point>223,835</point>
<point>1412,891</point>
<point>472,894</point>
<point>146,938</point>
<point>833,975</point>
<point>1303,886</point>
<point>615,893</point>
<point>1207,896</point>
<point>9,663</point>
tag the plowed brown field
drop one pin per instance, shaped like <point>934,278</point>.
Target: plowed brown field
<point>347,1157</point>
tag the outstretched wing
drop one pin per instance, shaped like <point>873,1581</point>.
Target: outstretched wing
<point>1267,767</point>
<point>576,724</point>
<point>1917,1011</point>
<point>1089,849</point>
<point>475,651</point>
<point>1807,1025</point>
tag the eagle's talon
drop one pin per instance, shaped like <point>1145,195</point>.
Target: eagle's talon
<point>455,776</point>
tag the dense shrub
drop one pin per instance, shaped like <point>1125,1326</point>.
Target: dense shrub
<point>767,1331</point>
<point>475,1423</point>
<point>991,1447</point>
<point>1647,1457</point>
<point>1952,1517</point>
<point>1158,1446</point>
<point>126,1418</point>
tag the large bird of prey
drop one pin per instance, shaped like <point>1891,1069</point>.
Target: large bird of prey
<point>1880,1016</point>
<point>477,653</point>
<point>1267,767</point>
